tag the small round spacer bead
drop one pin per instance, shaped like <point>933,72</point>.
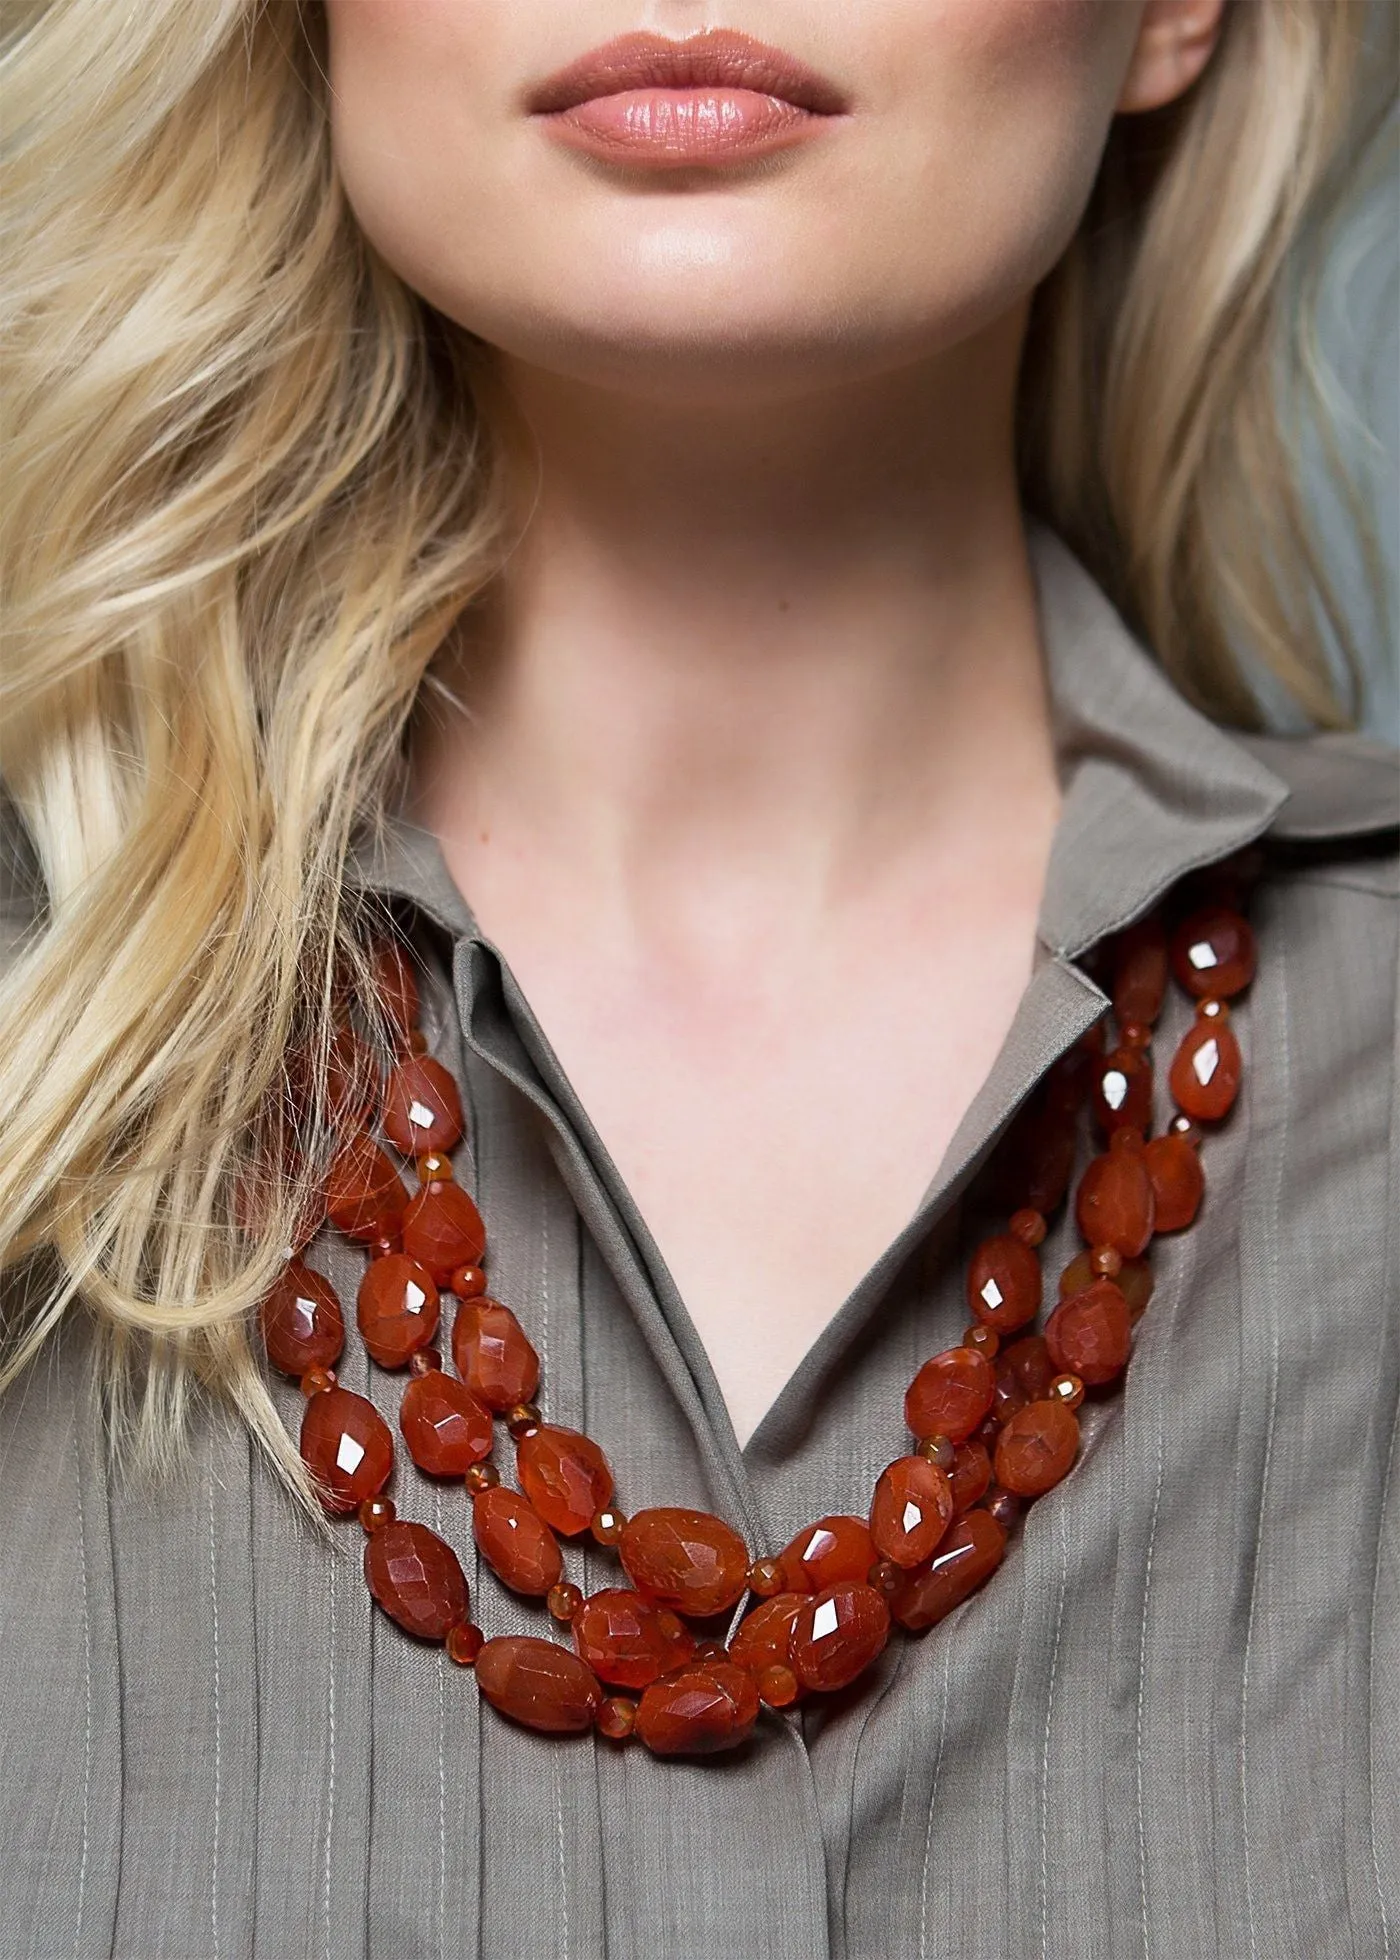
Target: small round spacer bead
<point>467,1282</point>
<point>885,1576</point>
<point>1067,1389</point>
<point>316,1381</point>
<point>480,1477</point>
<point>1028,1225</point>
<point>1136,1034</point>
<point>464,1643</point>
<point>417,1042</point>
<point>523,1420</point>
<point>434,1167</point>
<point>1182,1126</point>
<point>607,1526</point>
<point>426,1362</point>
<point>989,1431</point>
<point>376,1512</point>
<point>986,1340</point>
<point>765,1577</point>
<point>1003,1505</point>
<point>938,1451</point>
<point>1211,1009</point>
<point>616,1717</point>
<point>1107,1261</point>
<point>710,1650</point>
<point>563,1601</point>
<point>778,1686</point>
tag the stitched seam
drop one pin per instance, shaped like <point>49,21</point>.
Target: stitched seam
<point>442,1767</point>
<point>1371,1698</point>
<point>87,1715</point>
<point>218,1728</point>
<point>1045,1747</point>
<point>330,1780</point>
<point>933,1801</point>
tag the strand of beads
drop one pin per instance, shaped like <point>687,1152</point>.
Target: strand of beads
<point>994,1425</point>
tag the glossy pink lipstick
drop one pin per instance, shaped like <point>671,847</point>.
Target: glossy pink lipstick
<point>718,97</point>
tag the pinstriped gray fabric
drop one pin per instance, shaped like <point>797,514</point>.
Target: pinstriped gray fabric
<point>1166,1729</point>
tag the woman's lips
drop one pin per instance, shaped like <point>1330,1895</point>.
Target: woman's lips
<point>716,97</point>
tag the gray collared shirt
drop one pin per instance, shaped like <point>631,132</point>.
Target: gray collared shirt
<point>1167,1727</point>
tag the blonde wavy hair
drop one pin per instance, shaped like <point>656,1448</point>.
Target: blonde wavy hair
<point>251,481</point>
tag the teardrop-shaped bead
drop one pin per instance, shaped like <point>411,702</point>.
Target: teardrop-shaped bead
<point>705,1708</point>
<point>950,1395</point>
<point>912,1508</point>
<point>447,1429</point>
<point>837,1635</point>
<point>687,1560</point>
<point>1206,1070</point>
<point>538,1684</point>
<point>397,1309</point>
<point>1024,1372</point>
<point>346,1444</point>
<point>301,1321</point>
<point>1139,970</point>
<point>1004,1283</point>
<point>493,1355</point>
<point>395,987</point>
<point>351,1079</point>
<point>1036,1448</point>
<point>422,1109</point>
<point>970,1553</point>
<point>970,1475</point>
<point>416,1578</point>
<point>628,1640</point>
<point>764,1638</point>
<point>1213,953</point>
<point>365,1196</point>
<point>442,1229</point>
<point>1114,1205</point>
<point>516,1542</point>
<point>1178,1181</point>
<point>1122,1097</point>
<point>1089,1335</point>
<point>565,1476</point>
<point>834,1550</point>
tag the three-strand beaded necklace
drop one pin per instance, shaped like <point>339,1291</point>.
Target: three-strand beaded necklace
<point>993,1419</point>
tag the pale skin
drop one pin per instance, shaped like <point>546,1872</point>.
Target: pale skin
<point>754,783</point>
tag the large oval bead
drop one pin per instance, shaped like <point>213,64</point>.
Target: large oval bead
<point>1004,1283</point>
<point>950,1395</point>
<point>1036,1448</point>
<point>422,1109</point>
<point>837,1635</point>
<point>516,1542</point>
<point>492,1354</point>
<point>687,1560</point>
<point>565,1476</point>
<point>827,1553</point>
<point>416,1578</point>
<point>1178,1182</point>
<point>397,1309</point>
<point>628,1640</point>
<point>765,1637</point>
<point>346,1444</point>
<point>703,1709</point>
<point>970,1475</point>
<point>1206,1071</point>
<point>538,1684</point>
<point>970,1553</point>
<point>1139,972</point>
<point>912,1509</point>
<point>365,1196</point>
<point>1213,953</point>
<point>1024,1372</point>
<point>301,1321</point>
<point>442,1229</point>
<point>1114,1204</point>
<point>1090,1334</point>
<point>446,1428</point>
<point>1122,1097</point>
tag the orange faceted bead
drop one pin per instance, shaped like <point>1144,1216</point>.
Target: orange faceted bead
<point>1114,1205</point>
<point>446,1428</point>
<point>422,1109</point>
<point>351,1078</point>
<point>1004,1282</point>
<point>1122,1096</point>
<point>417,1579</point>
<point>492,1354</point>
<point>346,1445</point>
<point>365,1196</point>
<point>950,1395</point>
<point>778,1687</point>
<point>1036,1448</point>
<point>701,1710</point>
<point>970,1475</point>
<point>1178,1182</point>
<point>442,1229</point>
<point>538,1684</point>
<point>1133,1280</point>
<point>1213,953</point>
<point>688,1560</point>
<point>831,1551</point>
<point>1024,1371</point>
<point>1089,1335</point>
<point>464,1643</point>
<point>565,1476</point>
<point>516,1542</point>
<point>837,1635</point>
<point>617,1717</point>
<point>765,1637</point>
<point>628,1640</point>
<point>301,1322</point>
<point>397,1309</point>
<point>1206,1070</point>
<point>1139,970</point>
<point>913,1507</point>
<point>467,1282</point>
<point>969,1554</point>
<point>395,987</point>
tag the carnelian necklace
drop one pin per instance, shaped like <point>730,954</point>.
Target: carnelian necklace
<point>993,1418</point>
